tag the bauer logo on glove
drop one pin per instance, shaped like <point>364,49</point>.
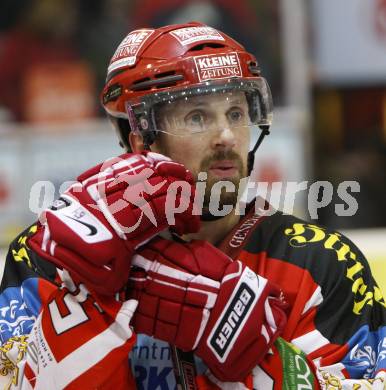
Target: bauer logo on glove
<point>231,321</point>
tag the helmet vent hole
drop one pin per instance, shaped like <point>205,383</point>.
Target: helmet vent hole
<point>204,45</point>
<point>164,74</point>
<point>141,84</point>
<point>161,81</point>
<point>141,80</point>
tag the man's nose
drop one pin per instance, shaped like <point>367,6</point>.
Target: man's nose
<point>223,136</point>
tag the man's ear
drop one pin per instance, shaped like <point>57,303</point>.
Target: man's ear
<point>136,141</point>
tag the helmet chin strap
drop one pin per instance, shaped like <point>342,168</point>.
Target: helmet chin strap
<point>251,154</point>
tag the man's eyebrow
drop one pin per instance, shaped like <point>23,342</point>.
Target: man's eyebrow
<point>234,102</point>
<point>199,103</point>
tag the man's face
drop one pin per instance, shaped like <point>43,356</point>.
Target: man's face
<point>208,134</point>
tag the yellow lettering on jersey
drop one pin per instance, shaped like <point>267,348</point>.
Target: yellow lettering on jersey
<point>367,300</point>
<point>301,234</point>
<point>356,268</point>
<point>359,286</point>
<point>378,297</point>
<point>343,251</point>
<point>33,229</point>
<point>299,228</point>
<point>22,253</point>
<point>22,240</point>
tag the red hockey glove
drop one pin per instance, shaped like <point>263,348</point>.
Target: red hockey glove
<point>194,296</point>
<point>94,227</point>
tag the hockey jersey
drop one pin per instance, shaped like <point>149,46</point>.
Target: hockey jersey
<point>335,336</point>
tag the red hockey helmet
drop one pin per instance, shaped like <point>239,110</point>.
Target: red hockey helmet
<point>157,66</point>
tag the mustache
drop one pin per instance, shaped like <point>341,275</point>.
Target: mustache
<point>220,155</point>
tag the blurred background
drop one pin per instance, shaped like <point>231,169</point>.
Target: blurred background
<point>324,60</point>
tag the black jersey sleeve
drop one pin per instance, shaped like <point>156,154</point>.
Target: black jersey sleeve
<point>27,279</point>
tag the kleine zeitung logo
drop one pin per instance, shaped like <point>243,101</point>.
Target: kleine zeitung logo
<point>126,53</point>
<point>218,66</point>
<point>188,35</point>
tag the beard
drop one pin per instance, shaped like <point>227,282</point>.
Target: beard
<point>225,197</point>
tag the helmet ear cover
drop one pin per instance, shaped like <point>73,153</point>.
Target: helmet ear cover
<point>123,129</point>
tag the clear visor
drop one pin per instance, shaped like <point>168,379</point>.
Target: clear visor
<point>235,105</point>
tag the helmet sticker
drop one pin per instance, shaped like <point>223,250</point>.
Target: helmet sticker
<point>188,35</point>
<point>112,93</point>
<point>126,53</point>
<point>218,66</point>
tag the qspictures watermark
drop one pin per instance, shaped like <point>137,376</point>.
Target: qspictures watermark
<point>281,196</point>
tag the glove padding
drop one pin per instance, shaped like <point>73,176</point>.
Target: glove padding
<point>194,296</point>
<point>94,227</point>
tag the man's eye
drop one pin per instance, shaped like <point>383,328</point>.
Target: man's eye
<point>235,115</point>
<point>195,119</point>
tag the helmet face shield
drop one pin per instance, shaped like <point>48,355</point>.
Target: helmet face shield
<point>193,115</point>
<point>238,105</point>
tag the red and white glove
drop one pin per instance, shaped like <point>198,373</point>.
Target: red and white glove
<point>195,297</point>
<point>93,229</point>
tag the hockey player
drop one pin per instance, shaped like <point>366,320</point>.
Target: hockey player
<point>138,277</point>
